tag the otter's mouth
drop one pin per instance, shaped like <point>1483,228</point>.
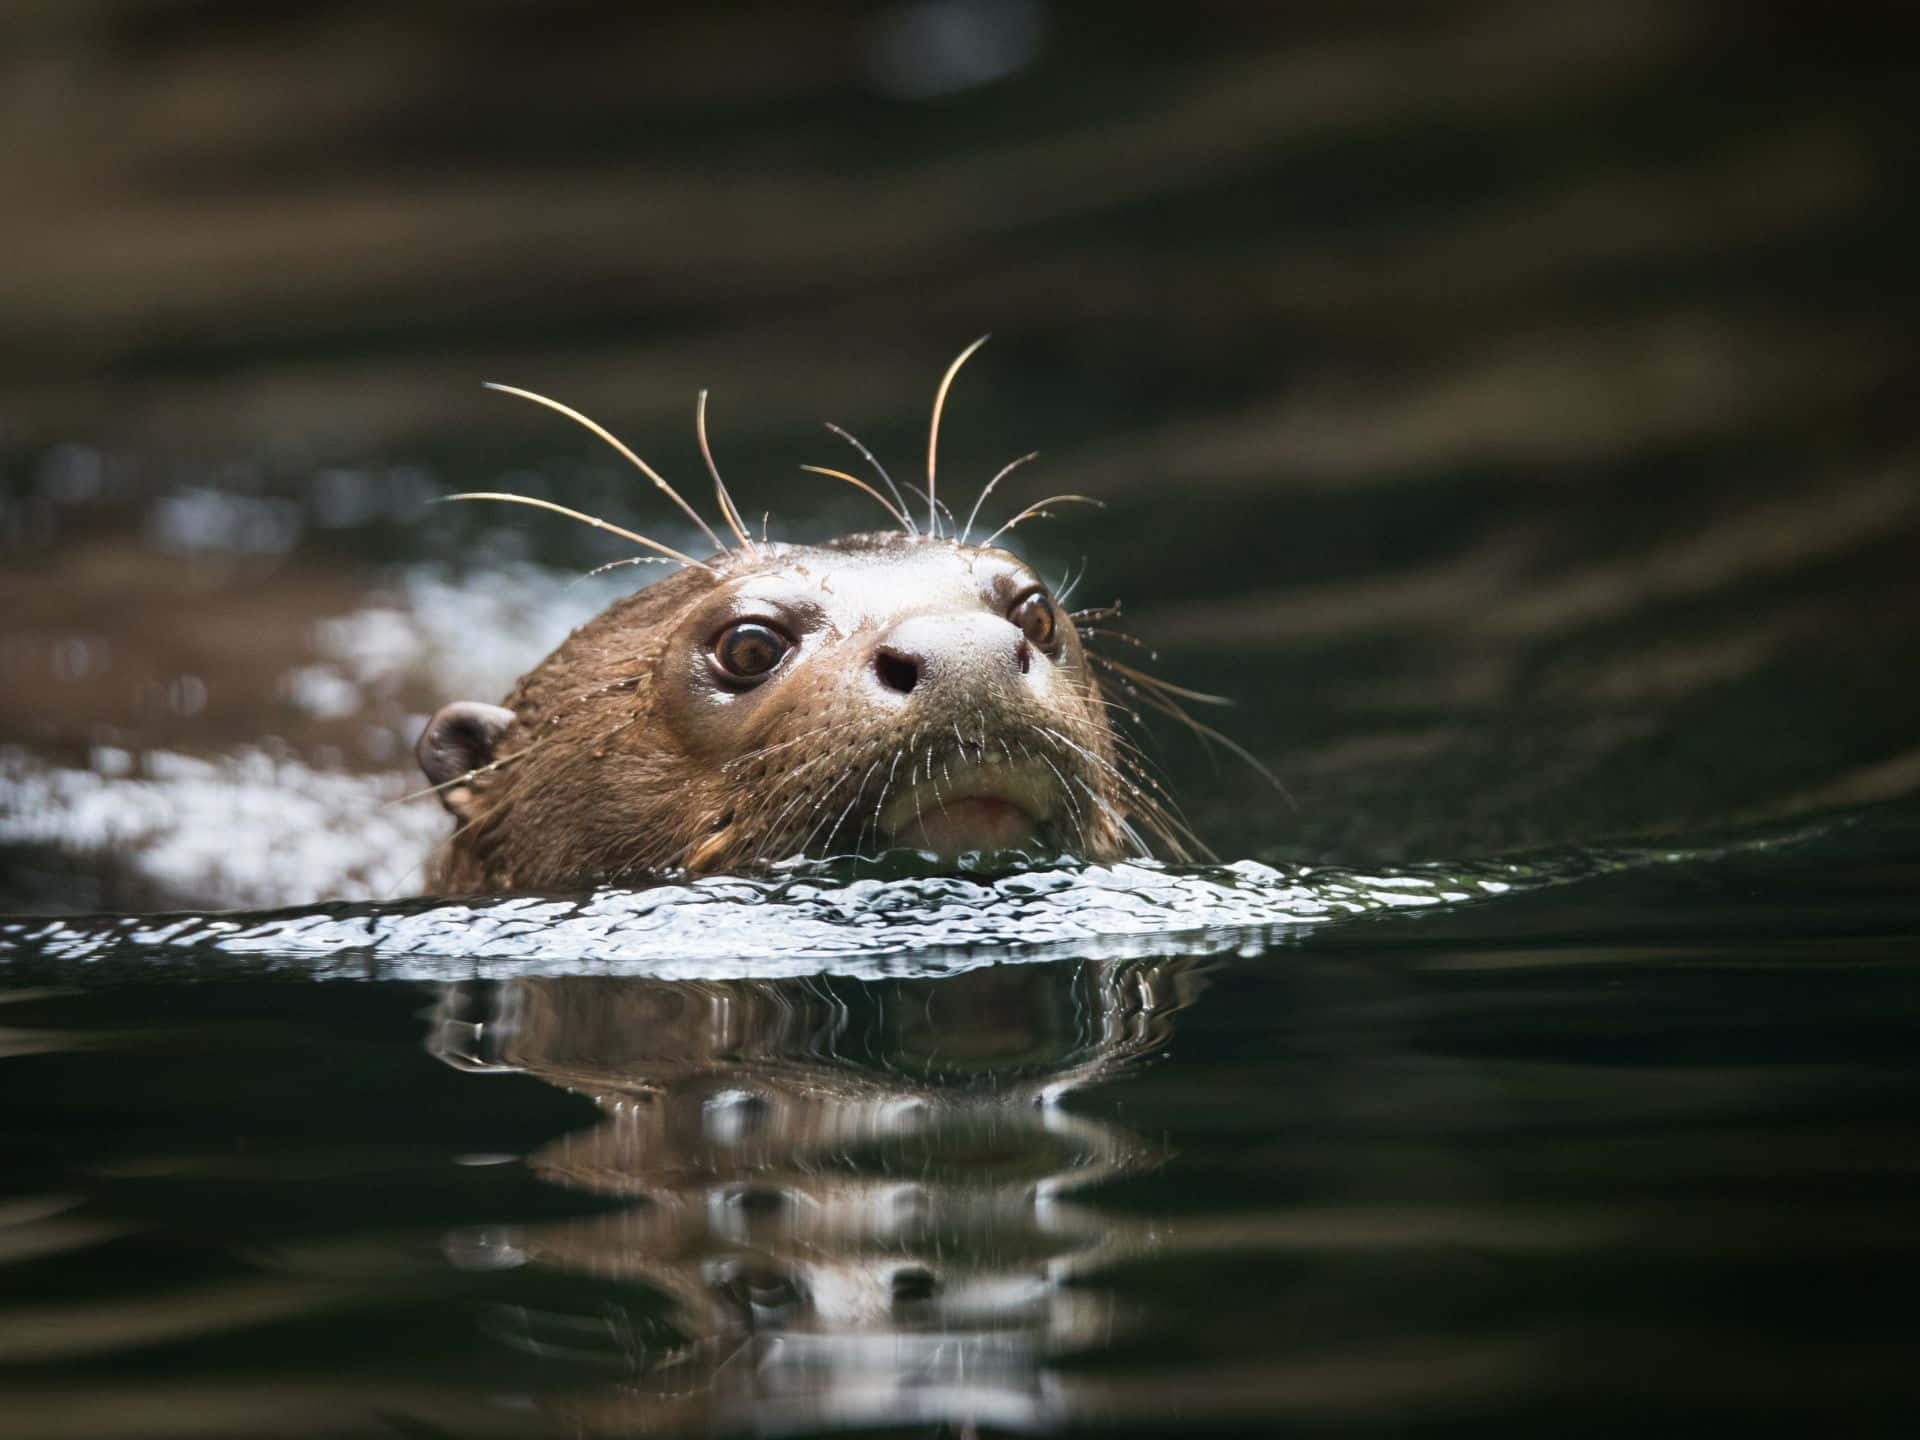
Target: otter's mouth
<point>967,806</point>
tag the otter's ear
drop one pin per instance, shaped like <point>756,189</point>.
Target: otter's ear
<point>460,738</point>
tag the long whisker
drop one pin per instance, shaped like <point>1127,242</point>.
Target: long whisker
<point>941,505</point>
<point>632,560</point>
<point>811,737</point>
<point>1096,633</point>
<point>1167,686</point>
<point>1133,777</point>
<point>613,440</point>
<point>1167,707</point>
<point>473,774</point>
<point>728,510</point>
<point>881,470</point>
<point>841,819</point>
<point>584,519</point>
<point>1113,817</point>
<point>854,480</point>
<point>933,430</point>
<point>1158,808</point>
<point>1037,508</point>
<point>886,786</point>
<point>1063,592</point>
<point>805,794</point>
<point>1005,470</point>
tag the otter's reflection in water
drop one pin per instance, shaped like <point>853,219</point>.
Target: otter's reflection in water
<point>855,1196</point>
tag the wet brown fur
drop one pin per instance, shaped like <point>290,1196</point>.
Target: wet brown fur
<point>592,783</point>
<point>599,777</point>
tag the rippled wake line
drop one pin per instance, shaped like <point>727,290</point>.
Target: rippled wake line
<point>807,920</point>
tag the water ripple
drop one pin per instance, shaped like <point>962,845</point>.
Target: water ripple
<point>855,918</point>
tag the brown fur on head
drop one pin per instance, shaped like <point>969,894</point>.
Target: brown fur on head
<point>887,689</point>
<point>929,694</point>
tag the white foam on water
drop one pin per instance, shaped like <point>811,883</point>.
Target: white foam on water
<point>251,829</point>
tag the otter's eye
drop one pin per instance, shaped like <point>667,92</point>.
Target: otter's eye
<point>1034,615</point>
<point>748,650</point>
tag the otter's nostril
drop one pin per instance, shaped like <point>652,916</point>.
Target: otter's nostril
<point>896,671</point>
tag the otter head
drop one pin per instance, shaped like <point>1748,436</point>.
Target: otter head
<point>881,691</point>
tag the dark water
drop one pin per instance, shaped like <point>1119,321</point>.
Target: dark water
<point>1510,406</point>
<point>1607,1146</point>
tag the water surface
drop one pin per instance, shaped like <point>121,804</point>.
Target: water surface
<point>1606,1144</point>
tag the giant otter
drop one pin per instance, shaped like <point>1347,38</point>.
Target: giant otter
<point>889,689</point>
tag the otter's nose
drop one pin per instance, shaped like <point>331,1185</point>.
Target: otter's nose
<point>934,654</point>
